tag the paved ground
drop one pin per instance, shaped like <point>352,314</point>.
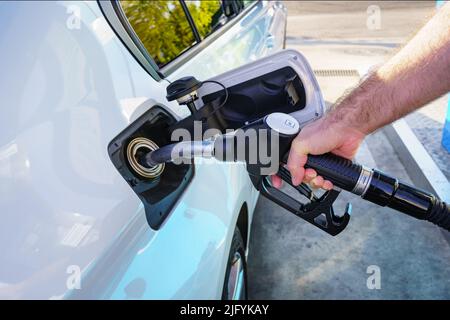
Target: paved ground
<point>290,259</point>
<point>427,124</point>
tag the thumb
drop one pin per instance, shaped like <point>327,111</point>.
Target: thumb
<point>297,160</point>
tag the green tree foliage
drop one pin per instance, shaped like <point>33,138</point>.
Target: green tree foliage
<point>163,28</point>
<point>205,14</point>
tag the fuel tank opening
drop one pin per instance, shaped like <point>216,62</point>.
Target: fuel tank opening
<point>136,150</point>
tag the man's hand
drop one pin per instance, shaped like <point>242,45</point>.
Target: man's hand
<point>317,138</point>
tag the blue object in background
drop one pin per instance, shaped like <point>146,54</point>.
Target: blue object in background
<point>446,131</point>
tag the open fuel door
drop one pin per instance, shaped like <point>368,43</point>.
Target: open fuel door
<point>283,82</point>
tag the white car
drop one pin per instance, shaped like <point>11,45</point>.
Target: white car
<point>74,75</point>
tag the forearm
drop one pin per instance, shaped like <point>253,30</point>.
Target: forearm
<point>416,75</point>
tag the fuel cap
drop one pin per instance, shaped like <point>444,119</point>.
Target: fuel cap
<point>283,123</point>
<point>182,87</point>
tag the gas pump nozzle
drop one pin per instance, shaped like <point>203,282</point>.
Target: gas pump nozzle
<point>370,184</point>
<point>273,133</point>
<point>275,130</point>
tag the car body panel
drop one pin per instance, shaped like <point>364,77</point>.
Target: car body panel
<point>71,226</point>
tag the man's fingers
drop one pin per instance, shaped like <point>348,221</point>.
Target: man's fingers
<point>327,185</point>
<point>297,174</point>
<point>320,182</point>
<point>317,182</point>
<point>296,162</point>
<point>309,175</point>
<point>276,181</point>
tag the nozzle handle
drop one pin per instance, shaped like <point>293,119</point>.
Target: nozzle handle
<point>342,172</point>
<point>380,188</point>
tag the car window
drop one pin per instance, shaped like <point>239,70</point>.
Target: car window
<point>207,15</point>
<point>248,2</point>
<point>162,27</point>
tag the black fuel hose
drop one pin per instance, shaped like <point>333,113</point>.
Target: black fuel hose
<point>381,189</point>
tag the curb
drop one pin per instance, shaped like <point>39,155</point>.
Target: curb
<point>419,165</point>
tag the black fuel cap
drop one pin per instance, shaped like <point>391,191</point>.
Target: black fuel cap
<point>182,87</point>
